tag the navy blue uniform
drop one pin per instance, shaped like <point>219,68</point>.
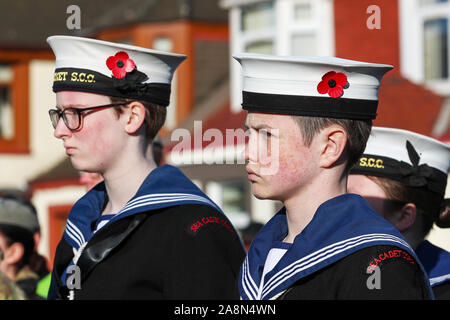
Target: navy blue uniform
<point>336,256</point>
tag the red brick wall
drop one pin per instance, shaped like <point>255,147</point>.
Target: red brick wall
<point>405,105</point>
<point>402,104</point>
<point>355,41</point>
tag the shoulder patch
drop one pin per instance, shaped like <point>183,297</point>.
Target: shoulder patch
<point>389,255</point>
<point>201,223</point>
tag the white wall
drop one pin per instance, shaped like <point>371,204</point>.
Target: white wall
<point>45,149</point>
<point>43,199</point>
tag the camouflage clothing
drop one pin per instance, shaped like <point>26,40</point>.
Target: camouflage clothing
<point>9,290</point>
<point>27,281</point>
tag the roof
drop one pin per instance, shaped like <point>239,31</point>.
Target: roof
<point>61,171</point>
<point>26,24</point>
<point>406,105</point>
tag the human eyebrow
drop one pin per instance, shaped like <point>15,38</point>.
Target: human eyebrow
<point>69,106</point>
<point>262,126</point>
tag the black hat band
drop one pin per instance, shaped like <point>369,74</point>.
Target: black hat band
<point>413,176</point>
<point>130,87</point>
<point>340,108</point>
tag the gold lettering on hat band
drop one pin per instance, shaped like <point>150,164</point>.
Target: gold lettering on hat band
<point>60,76</point>
<point>371,163</point>
<point>74,76</point>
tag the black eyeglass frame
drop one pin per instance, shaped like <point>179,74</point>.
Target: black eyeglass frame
<point>79,112</point>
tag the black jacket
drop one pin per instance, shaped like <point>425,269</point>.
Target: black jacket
<point>183,252</point>
<point>399,278</point>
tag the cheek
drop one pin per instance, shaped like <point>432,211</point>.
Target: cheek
<point>292,166</point>
<point>295,161</point>
<point>100,137</point>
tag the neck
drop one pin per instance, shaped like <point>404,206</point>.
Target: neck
<point>10,271</point>
<point>301,207</point>
<point>123,182</point>
<point>414,235</point>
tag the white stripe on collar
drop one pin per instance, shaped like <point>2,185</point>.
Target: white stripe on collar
<point>248,284</point>
<point>155,199</point>
<point>435,280</point>
<point>74,233</point>
<point>77,236</point>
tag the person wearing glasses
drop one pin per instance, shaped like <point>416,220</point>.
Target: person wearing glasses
<point>145,232</point>
<point>403,176</point>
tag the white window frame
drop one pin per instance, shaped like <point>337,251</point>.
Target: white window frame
<point>322,24</point>
<point>412,17</point>
<point>165,43</point>
<point>214,190</point>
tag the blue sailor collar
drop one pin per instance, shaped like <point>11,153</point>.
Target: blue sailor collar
<point>340,226</point>
<point>165,186</point>
<point>436,262</point>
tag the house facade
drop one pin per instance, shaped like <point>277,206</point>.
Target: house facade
<point>411,35</point>
<point>33,162</point>
<point>203,134</point>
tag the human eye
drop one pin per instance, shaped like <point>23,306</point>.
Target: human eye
<point>265,133</point>
<point>70,111</point>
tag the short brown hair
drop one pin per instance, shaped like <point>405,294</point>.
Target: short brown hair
<point>358,132</point>
<point>428,203</point>
<point>155,115</point>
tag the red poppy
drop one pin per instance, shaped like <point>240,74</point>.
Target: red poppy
<point>333,83</point>
<point>120,64</point>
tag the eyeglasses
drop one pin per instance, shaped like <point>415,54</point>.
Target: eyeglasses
<point>72,116</point>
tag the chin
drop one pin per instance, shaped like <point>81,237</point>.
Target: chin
<point>80,166</point>
<point>262,193</point>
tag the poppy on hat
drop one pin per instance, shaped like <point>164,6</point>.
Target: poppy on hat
<point>311,86</point>
<point>112,69</point>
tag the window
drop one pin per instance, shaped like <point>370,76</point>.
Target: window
<point>14,104</point>
<point>163,44</point>
<point>6,109</point>
<point>435,49</point>
<point>166,44</point>
<point>230,196</point>
<point>424,26</point>
<point>281,27</point>
<point>257,22</point>
<point>257,16</point>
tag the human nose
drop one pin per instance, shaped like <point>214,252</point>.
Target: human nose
<point>250,152</point>
<point>61,129</point>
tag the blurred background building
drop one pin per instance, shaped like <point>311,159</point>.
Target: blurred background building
<point>412,35</point>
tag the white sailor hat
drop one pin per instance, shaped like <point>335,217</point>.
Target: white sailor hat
<point>311,86</point>
<point>408,157</point>
<point>113,69</point>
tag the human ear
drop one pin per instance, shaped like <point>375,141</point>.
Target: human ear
<point>135,117</point>
<point>406,217</point>
<point>333,140</point>
<point>14,253</point>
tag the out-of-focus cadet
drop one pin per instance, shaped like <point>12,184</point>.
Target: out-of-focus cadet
<point>403,176</point>
<point>8,289</point>
<point>18,223</point>
<point>309,119</point>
